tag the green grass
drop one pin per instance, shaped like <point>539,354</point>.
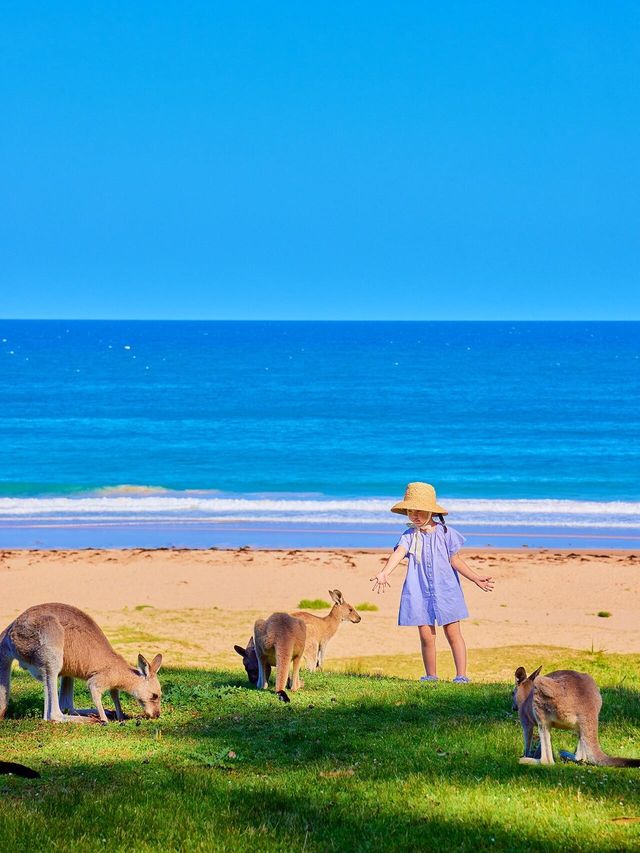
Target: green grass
<point>313,604</point>
<point>355,762</point>
<point>366,605</point>
<point>604,614</point>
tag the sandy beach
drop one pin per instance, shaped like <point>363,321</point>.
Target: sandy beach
<point>193,605</point>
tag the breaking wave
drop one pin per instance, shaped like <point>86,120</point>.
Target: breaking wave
<point>132,503</point>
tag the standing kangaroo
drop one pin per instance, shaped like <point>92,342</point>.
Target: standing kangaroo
<point>277,641</point>
<point>320,629</point>
<point>564,699</point>
<point>51,640</point>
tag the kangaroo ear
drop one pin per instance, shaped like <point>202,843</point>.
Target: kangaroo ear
<point>240,650</point>
<point>143,666</point>
<point>535,674</point>
<point>521,674</point>
<point>336,596</point>
<point>156,663</point>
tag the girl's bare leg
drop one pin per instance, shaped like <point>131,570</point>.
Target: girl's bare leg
<point>428,647</point>
<point>455,639</point>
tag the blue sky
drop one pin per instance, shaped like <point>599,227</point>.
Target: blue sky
<point>341,161</point>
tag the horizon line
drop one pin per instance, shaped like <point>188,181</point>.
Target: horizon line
<point>311,320</point>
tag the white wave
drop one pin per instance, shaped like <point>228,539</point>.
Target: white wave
<point>129,503</point>
<point>126,489</point>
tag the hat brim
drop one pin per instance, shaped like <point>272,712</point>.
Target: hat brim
<point>403,507</point>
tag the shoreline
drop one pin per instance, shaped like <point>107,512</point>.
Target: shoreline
<point>193,605</point>
<point>49,534</point>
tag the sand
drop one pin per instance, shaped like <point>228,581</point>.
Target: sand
<point>194,605</point>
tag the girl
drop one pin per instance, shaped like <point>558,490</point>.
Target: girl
<point>431,591</point>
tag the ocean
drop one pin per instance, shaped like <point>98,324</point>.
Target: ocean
<point>283,434</point>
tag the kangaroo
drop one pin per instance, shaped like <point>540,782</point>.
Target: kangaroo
<point>277,641</point>
<point>250,661</point>
<point>320,629</point>
<point>564,699</point>
<point>54,639</point>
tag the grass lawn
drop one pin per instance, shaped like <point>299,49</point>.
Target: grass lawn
<point>354,762</point>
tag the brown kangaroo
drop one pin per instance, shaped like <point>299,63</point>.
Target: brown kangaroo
<point>320,629</point>
<point>51,640</point>
<point>564,699</point>
<point>277,641</point>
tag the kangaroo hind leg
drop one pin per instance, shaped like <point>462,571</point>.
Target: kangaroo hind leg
<point>296,681</point>
<point>47,660</point>
<point>312,654</point>
<point>65,697</point>
<point>546,752</point>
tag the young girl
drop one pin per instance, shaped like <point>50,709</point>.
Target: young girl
<point>431,591</point>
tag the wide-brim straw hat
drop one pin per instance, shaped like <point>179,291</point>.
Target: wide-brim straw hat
<point>420,497</point>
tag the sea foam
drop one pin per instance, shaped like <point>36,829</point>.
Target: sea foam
<point>135,503</point>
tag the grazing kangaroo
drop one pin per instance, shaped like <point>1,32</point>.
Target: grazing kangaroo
<point>320,629</point>
<point>53,639</point>
<point>250,661</point>
<point>277,641</point>
<point>564,699</point>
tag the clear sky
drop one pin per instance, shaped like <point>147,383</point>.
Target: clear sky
<point>355,160</point>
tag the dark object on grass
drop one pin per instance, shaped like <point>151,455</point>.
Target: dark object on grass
<point>18,770</point>
<point>568,757</point>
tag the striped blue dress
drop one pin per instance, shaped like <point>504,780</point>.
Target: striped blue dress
<point>431,593</point>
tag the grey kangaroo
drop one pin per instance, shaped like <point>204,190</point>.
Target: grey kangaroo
<point>564,699</point>
<point>51,640</point>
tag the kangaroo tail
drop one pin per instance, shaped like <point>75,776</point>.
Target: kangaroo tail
<point>284,651</point>
<point>18,770</point>
<point>604,760</point>
<point>594,753</point>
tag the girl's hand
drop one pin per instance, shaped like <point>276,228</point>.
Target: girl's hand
<point>381,582</point>
<point>485,583</point>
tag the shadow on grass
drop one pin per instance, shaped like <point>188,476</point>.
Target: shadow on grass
<point>152,806</point>
<point>384,727</point>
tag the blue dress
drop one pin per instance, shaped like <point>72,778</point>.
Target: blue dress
<point>431,591</point>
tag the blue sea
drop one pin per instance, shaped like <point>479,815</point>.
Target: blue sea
<point>223,434</point>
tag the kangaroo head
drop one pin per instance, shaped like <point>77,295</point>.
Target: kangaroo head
<point>523,685</point>
<point>147,689</point>
<point>250,660</point>
<point>347,612</point>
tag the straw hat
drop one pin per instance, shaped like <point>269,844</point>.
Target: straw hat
<point>420,497</point>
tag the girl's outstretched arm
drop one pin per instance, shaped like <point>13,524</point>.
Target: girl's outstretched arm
<point>381,580</point>
<point>485,582</point>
